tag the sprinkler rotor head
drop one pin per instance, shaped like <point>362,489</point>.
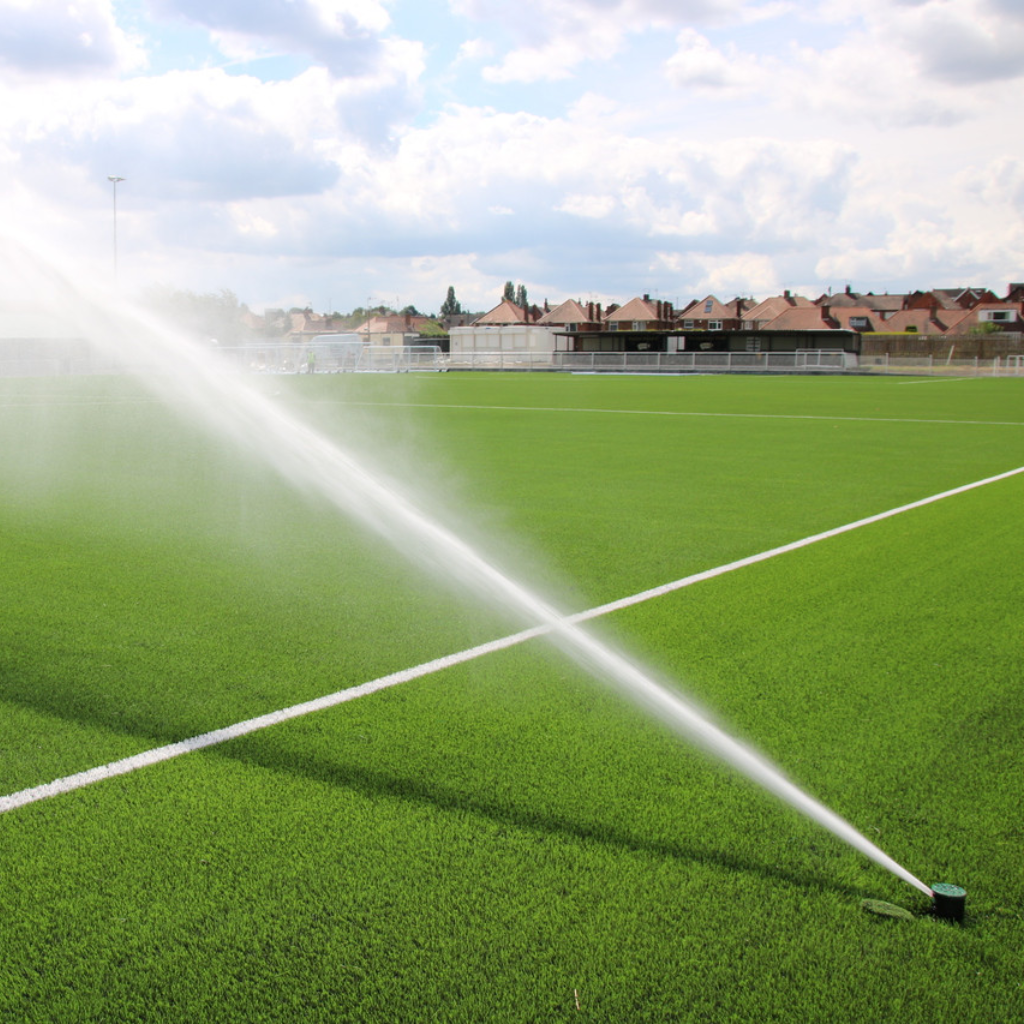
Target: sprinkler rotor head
<point>949,901</point>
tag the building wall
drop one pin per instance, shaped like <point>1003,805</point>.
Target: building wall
<point>504,338</point>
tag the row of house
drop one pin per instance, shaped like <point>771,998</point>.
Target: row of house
<point>779,323</point>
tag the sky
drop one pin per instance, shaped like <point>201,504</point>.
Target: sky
<point>343,153</point>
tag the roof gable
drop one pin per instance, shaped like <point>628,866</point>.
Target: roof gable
<point>569,312</point>
<point>506,312</point>
<point>774,305</point>
<point>802,318</point>
<point>708,308</point>
<point>635,309</point>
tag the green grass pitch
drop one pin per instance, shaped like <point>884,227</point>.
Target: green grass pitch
<point>508,840</point>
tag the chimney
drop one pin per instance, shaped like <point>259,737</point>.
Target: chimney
<point>590,312</point>
<point>647,297</point>
<point>785,295</point>
<point>848,292</point>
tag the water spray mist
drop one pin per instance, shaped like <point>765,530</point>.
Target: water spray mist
<point>184,373</point>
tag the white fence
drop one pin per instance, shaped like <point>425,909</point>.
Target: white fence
<point>34,359</point>
<point>805,360</point>
<point>342,356</point>
<point>801,361</point>
<point>942,366</point>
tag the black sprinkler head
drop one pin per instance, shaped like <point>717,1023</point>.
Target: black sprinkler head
<point>949,901</point>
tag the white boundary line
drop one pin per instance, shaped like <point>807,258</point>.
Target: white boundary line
<point>683,412</point>
<point>150,757</point>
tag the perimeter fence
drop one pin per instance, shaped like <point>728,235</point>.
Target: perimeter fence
<point>810,361</point>
<point>75,357</point>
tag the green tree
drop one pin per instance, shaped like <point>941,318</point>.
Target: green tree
<point>451,305</point>
<point>509,292</point>
<point>521,299</point>
<point>213,316</point>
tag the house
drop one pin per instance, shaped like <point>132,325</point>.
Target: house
<point>573,316</point>
<point>991,316</point>
<point>884,303</point>
<point>570,319</point>
<point>804,318</point>
<point>925,321</point>
<point>708,314</point>
<point>506,312</point>
<point>506,328</point>
<point>304,325</point>
<point>861,319</point>
<point>757,317</point>
<point>399,329</point>
<point>640,315</point>
<point>951,298</point>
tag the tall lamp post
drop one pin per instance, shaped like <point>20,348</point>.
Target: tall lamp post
<point>114,179</point>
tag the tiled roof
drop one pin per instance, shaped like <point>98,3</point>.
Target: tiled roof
<point>569,312</point>
<point>708,308</point>
<point>772,307</point>
<point>505,312</point>
<point>802,318</point>
<point>635,309</point>
<point>880,303</point>
<point>856,318</point>
<point>921,321</point>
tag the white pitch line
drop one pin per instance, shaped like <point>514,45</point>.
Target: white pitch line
<point>208,739</point>
<point>937,380</point>
<point>683,412</point>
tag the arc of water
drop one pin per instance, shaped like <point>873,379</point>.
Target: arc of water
<point>182,371</point>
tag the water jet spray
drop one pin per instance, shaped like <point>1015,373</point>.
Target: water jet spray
<point>182,372</point>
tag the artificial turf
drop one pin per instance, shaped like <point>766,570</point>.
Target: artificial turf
<point>507,840</point>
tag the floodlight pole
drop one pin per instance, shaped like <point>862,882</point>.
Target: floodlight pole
<point>114,179</point>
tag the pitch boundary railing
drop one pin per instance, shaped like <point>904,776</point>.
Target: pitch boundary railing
<point>811,361</point>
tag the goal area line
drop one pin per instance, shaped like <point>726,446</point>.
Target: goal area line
<point>145,759</point>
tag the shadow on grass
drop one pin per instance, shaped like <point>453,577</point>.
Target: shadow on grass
<point>259,750</point>
<point>392,785</point>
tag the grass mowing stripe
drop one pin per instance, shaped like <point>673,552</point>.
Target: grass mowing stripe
<point>678,412</point>
<point>158,754</point>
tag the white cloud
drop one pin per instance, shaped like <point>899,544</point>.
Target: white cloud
<point>697,64</point>
<point>842,140</point>
<point>65,40</point>
<point>342,35</point>
<point>595,207</point>
<point>554,37</point>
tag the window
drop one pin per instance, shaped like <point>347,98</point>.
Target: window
<point>709,305</point>
<point>687,325</point>
<point>714,325</point>
<point>639,325</point>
